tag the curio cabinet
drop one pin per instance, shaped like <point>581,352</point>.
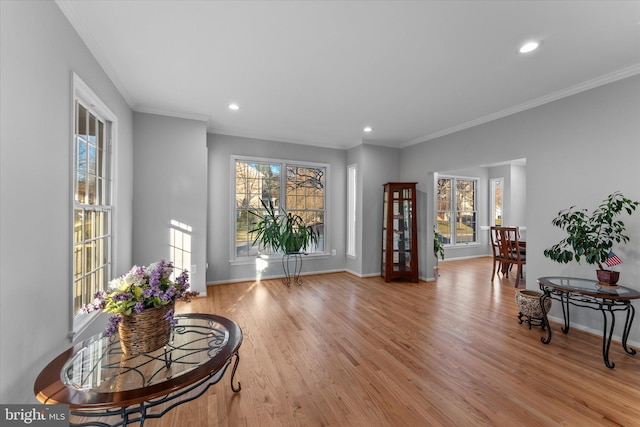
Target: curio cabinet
<point>399,232</point>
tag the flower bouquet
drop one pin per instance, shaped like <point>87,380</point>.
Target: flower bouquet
<point>142,291</point>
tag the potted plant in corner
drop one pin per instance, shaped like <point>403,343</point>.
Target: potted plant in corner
<point>592,235</point>
<point>438,250</point>
<point>282,230</point>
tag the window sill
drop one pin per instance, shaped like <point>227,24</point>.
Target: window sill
<point>463,246</point>
<point>82,323</point>
<point>274,257</point>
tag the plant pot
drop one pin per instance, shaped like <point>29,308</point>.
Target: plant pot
<point>294,244</point>
<point>145,331</point>
<point>529,304</point>
<point>608,277</point>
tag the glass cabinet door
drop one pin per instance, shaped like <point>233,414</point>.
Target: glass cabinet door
<point>399,244</point>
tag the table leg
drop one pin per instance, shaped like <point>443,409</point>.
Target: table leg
<point>285,266</point>
<point>606,336</point>
<point>564,300</point>
<point>631,311</point>
<point>545,320</point>
<point>233,374</point>
<point>297,268</point>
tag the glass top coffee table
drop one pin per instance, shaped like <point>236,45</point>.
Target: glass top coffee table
<point>98,381</point>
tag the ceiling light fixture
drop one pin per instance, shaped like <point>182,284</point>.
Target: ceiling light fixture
<point>367,129</point>
<point>234,107</point>
<point>529,47</point>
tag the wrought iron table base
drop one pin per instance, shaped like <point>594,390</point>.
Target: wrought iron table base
<point>138,413</point>
<point>531,321</point>
<point>297,268</point>
<point>603,305</point>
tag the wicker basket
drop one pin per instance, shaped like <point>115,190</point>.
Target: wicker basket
<point>145,331</point>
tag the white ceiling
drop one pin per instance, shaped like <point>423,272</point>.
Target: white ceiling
<point>317,72</point>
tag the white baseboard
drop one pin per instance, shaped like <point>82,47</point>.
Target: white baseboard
<point>618,338</point>
<point>274,276</point>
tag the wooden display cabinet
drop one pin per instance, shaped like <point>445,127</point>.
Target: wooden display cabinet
<point>399,232</point>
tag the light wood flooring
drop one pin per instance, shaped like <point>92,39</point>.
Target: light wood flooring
<point>344,351</point>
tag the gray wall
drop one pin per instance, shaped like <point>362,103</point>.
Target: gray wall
<point>221,149</point>
<point>38,52</point>
<point>518,195</point>
<point>379,166</point>
<point>170,183</point>
<point>578,150</point>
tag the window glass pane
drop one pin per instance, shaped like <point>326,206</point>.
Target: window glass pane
<point>444,194</point>
<point>351,210</point>
<point>255,181</point>
<point>261,181</point>
<point>91,189</point>
<point>91,158</point>
<point>457,223</point>
<point>81,171</point>
<point>91,216</point>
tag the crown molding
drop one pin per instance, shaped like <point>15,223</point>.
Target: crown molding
<point>86,36</point>
<point>262,136</point>
<point>176,114</point>
<point>572,90</point>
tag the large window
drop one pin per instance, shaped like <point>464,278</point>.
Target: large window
<point>497,218</point>
<point>92,216</point>
<point>457,214</point>
<point>299,188</point>
<point>352,171</point>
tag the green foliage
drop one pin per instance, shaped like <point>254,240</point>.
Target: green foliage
<point>438,249</point>
<point>282,231</point>
<point>591,236</point>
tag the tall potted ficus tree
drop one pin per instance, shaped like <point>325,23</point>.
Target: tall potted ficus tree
<point>591,236</point>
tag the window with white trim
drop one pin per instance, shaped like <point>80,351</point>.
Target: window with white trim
<point>352,171</point>
<point>91,197</point>
<point>300,188</point>
<point>456,210</point>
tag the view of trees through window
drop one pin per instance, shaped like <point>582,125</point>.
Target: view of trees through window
<point>299,190</point>
<point>92,211</point>
<point>456,210</point>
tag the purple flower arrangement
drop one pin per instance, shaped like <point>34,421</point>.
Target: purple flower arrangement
<point>140,289</point>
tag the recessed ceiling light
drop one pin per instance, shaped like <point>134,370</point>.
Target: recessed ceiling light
<point>234,107</point>
<point>529,47</point>
<point>367,129</point>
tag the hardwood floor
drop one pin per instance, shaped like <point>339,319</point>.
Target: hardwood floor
<point>345,351</point>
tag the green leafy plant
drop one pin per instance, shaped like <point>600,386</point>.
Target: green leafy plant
<point>438,249</point>
<point>591,236</point>
<point>281,230</point>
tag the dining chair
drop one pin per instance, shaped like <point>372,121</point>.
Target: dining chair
<point>507,252</point>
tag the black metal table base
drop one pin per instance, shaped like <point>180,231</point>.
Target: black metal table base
<point>531,321</point>
<point>139,413</point>
<point>608,307</point>
<point>289,274</point>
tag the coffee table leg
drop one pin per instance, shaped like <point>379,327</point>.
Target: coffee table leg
<point>631,311</point>
<point>233,374</point>
<point>606,337</point>
<point>545,320</point>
